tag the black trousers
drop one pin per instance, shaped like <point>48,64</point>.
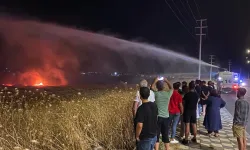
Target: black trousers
<point>163,129</point>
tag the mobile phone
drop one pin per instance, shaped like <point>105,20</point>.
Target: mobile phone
<point>160,78</point>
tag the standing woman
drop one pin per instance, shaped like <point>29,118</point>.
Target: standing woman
<point>212,120</point>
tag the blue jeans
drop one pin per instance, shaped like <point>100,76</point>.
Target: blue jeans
<point>200,108</point>
<point>146,144</point>
<point>174,120</point>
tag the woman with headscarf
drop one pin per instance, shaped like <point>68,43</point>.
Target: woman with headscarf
<point>212,120</point>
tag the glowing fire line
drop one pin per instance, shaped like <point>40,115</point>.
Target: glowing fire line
<point>39,84</point>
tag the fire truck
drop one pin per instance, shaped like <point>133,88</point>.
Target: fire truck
<point>227,82</point>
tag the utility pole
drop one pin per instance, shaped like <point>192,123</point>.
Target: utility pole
<point>200,34</point>
<point>211,68</point>
<point>229,65</point>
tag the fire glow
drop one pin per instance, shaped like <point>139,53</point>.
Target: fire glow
<point>39,84</point>
<point>44,58</point>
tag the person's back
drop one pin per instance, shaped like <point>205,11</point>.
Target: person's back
<point>175,110</point>
<point>215,103</point>
<point>189,115</point>
<point>204,91</point>
<point>174,104</point>
<point>212,120</point>
<point>146,122</point>
<point>197,87</point>
<point>240,119</point>
<point>149,111</point>
<point>191,100</point>
<point>162,99</point>
<point>241,112</point>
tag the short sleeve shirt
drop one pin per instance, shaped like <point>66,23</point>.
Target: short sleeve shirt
<point>151,97</point>
<point>174,104</point>
<point>162,99</point>
<point>191,100</point>
<point>147,114</point>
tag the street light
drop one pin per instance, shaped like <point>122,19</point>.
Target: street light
<point>248,51</point>
<point>248,61</point>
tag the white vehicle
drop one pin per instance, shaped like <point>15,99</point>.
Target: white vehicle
<point>227,82</point>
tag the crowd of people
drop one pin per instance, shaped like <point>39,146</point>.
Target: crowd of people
<point>158,110</point>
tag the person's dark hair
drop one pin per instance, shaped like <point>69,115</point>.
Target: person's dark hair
<point>144,92</point>
<point>214,93</point>
<point>176,86</point>
<point>197,81</point>
<point>191,85</point>
<point>159,85</point>
<point>184,83</point>
<point>209,82</point>
<point>203,82</point>
<point>179,84</point>
<point>241,92</point>
<point>185,88</point>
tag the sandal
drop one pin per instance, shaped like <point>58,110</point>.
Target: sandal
<point>216,135</point>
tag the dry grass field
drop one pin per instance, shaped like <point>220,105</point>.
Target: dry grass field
<point>63,118</point>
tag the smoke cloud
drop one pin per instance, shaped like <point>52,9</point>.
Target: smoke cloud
<point>40,57</point>
<point>49,54</point>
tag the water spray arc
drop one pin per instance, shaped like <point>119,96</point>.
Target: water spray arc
<point>50,52</point>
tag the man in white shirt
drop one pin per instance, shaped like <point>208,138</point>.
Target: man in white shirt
<point>137,101</point>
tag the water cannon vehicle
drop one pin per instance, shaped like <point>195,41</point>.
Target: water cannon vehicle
<point>227,82</point>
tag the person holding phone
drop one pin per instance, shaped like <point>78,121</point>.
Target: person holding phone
<point>162,98</point>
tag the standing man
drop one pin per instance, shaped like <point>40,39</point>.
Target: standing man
<point>146,122</point>
<point>175,110</point>
<point>198,91</point>
<point>204,94</point>
<point>162,98</point>
<point>137,102</point>
<point>189,115</point>
<point>240,120</point>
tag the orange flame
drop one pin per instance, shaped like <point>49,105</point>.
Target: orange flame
<point>7,84</point>
<point>39,84</point>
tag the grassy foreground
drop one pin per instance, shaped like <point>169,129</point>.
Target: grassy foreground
<point>65,119</point>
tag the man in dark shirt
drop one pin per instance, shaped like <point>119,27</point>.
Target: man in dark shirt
<point>189,115</point>
<point>198,91</point>
<point>210,86</point>
<point>240,120</point>
<point>204,94</point>
<point>146,122</point>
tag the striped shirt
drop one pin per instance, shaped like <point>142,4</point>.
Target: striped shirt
<point>241,112</point>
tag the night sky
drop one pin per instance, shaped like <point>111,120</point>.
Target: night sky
<point>153,21</point>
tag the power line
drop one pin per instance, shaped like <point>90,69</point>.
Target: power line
<point>187,11</point>
<point>190,10</point>
<point>179,19</point>
<point>181,13</point>
<point>197,8</point>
